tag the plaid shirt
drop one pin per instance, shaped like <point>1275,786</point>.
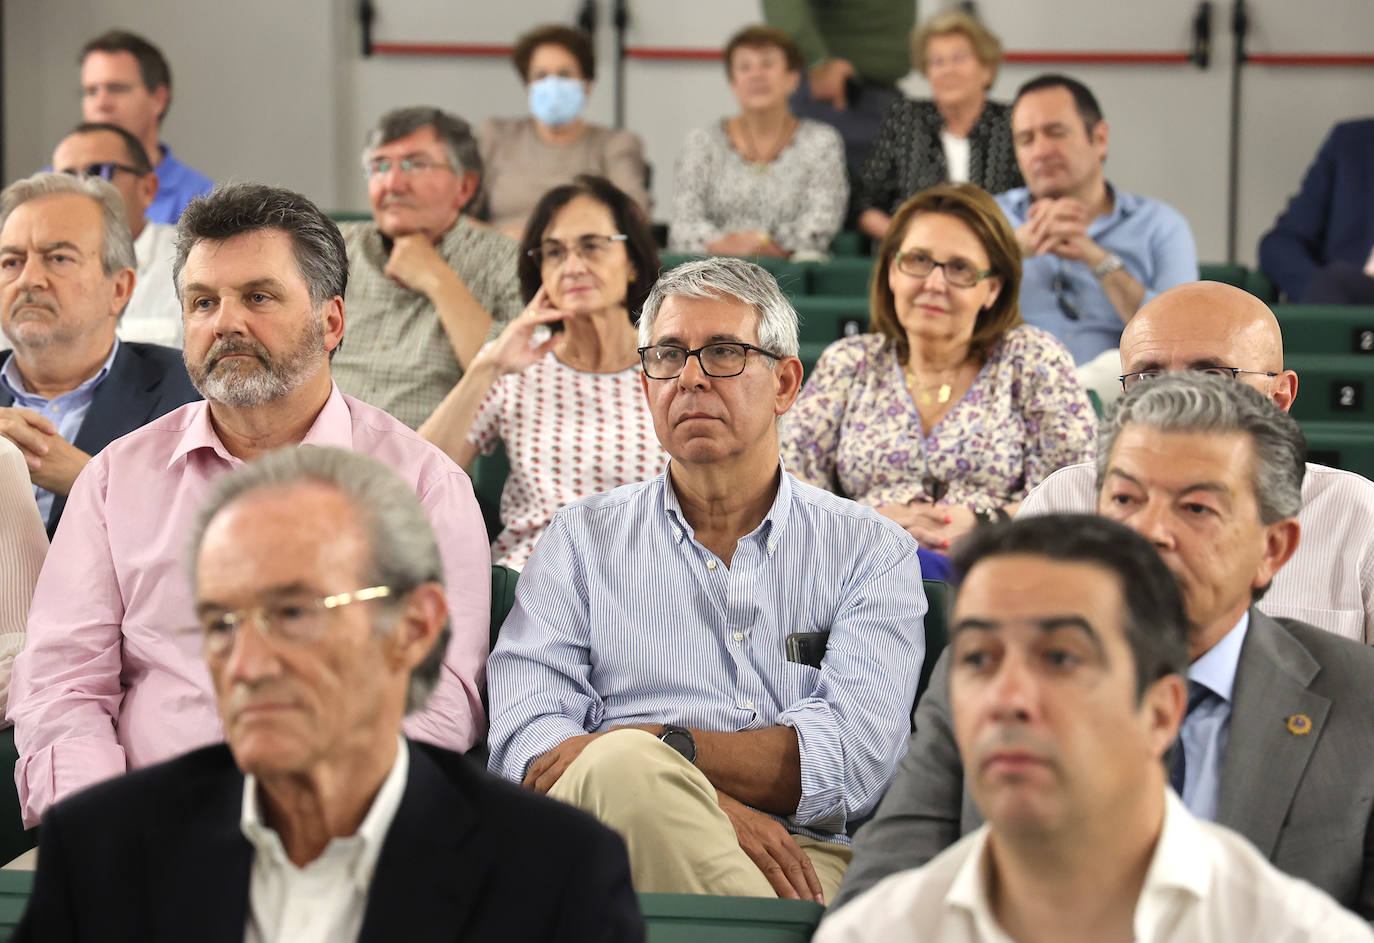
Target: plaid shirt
<point>395,354</point>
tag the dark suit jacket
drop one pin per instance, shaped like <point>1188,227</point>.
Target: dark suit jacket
<point>157,855</point>
<point>1304,800</point>
<point>145,382</point>
<point>1331,219</point>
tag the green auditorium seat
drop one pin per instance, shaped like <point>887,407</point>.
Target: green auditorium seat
<point>15,887</point>
<point>1223,272</point>
<point>1348,445</point>
<point>1327,329</point>
<point>842,276</point>
<point>792,276</point>
<point>350,216</point>
<point>693,918</point>
<point>671,260</point>
<point>1261,286</point>
<point>825,319</point>
<point>489,474</point>
<point>849,243</point>
<point>502,597</point>
<point>1333,387</point>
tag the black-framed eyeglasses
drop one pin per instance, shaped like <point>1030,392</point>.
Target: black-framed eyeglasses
<point>591,248</point>
<point>960,273</point>
<point>1129,380</point>
<point>1063,288</point>
<point>105,170</point>
<point>667,361</point>
<point>292,618</point>
<point>406,165</point>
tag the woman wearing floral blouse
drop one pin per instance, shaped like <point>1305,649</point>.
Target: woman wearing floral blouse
<point>763,182</point>
<point>951,409</point>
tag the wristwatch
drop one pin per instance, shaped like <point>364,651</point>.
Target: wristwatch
<point>681,740</point>
<point>1107,266</point>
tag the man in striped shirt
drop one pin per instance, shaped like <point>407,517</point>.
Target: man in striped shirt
<point>655,668</point>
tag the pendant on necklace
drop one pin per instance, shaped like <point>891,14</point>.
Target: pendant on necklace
<point>940,396</point>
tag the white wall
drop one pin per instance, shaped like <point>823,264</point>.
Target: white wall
<point>278,91</point>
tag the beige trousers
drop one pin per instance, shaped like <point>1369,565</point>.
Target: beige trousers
<point>665,808</point>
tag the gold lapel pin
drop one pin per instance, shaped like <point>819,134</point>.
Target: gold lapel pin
<point>1299,724</point>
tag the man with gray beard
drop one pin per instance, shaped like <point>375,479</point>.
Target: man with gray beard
<point>107,682</point>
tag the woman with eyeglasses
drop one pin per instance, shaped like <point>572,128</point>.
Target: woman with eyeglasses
<point>951,409</point>
<point>525,156</point>
<point>560,386</point>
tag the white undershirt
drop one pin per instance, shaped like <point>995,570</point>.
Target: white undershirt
<point>325,901</point>
<point>956,156</point>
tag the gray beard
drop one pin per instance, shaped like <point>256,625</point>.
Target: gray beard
<point>245,383</point>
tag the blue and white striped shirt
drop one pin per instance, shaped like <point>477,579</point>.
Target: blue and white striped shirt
<point>622,617</point>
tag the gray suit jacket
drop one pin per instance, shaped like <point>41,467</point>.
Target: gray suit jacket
<point>1304,800</point>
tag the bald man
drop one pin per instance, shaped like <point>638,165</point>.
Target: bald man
<point>1208,326</point>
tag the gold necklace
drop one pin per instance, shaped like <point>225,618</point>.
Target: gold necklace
<point>926,394</point>
<point>758,163</point>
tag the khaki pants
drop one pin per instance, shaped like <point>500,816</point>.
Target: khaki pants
<point>665,808</point>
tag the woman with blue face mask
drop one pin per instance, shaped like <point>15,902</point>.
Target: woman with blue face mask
<point>527,156</point>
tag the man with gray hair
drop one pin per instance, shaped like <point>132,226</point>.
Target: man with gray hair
<point>105,684</point>
<point>719,663</point>
<point>69,387</point>
<point>1277,742</point>
<point>320,613</point>
<point>428,282</point>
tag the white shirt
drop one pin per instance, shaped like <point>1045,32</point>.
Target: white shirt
<point>1206,884</point>
<point>1328,582</point>
<point>153,314</point>
<point>956,156</point>
<point>325,901</point>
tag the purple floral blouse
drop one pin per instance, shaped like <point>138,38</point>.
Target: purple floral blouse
<point>855,429</point>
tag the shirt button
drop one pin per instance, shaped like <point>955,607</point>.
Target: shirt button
<point>739,636</point>
<point>772,544</point>
<point>749,704</point>
<point>710,564</point>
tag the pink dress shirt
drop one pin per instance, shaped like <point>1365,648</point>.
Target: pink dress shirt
<point>106,685</point>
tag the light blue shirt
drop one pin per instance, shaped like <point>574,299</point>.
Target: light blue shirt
<point>1207,728</point>
<point>1155,245</point>
<point>622,617</point>
<point>177,185</point>
<point>67,411</point>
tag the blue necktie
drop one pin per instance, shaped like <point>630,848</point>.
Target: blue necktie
<point>1197,693</point>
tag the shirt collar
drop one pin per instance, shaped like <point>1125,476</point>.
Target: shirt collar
<point>364,845</point>
<point>1123,204</point>
<point>1180,863</point>
<point>768,531</point>
<point>1216,668</point>
<point>333,425</point>
<point>13,380</point>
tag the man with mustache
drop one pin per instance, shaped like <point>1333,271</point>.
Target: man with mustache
<point>1092,254</point>
<point>320,614</point>
<point>427,281</point>
<point>1277,743</point>
<point>718,663</point>
<point>70,387</point>
<point>1067,651</point>
<point>107,683</point>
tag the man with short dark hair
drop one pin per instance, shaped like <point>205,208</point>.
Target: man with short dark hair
<point>428,283</point>
<point>70,387</point>
<point>105,683</point>
<point>718,663</point>
<point>1210,472</point>
<point>125,80</point>
<point>1068,643</point>
<point>1093,254</point>
<point>153,313</point>
<point>321,615</point>
<point>1217,328</point>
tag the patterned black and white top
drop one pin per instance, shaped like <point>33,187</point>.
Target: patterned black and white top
<point>799,199</point>
<point>908,157</point>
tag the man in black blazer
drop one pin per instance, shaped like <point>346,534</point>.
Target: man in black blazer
<point>323,619</point>
<point>1211,472</point>
<point>69,387</point>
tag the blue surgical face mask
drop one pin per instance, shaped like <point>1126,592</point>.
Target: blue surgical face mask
<point>556,100</point>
